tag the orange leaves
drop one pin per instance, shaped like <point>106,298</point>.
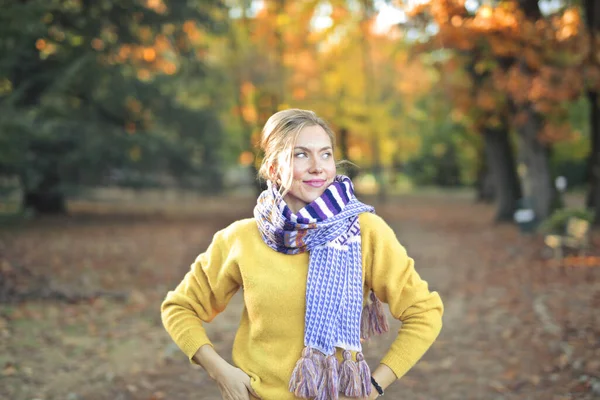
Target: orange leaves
<point>156,58</point>
<point>40,44</point>
<point>149,54</point>
<point>246,158</point>
<point>460,38</point>
<point>592,76</point>
<point>194,33</point>
<point>485,101</point>
<point>502,46</point>
<point>157,6</point>
<point>553,132</point>
<point>547,89</point>
<point>569,24</point>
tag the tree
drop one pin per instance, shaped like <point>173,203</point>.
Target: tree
<point>592,18</point>
<point>101,90</point>
<point>527,67</point>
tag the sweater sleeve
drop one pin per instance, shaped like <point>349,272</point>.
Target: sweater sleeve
<point>204,292</point>
<point>395,281</point>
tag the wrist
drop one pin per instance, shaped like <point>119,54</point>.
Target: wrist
<point>211,362</point>
<point>377,390</point>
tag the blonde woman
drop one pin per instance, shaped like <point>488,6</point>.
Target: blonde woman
<point>315,264</point>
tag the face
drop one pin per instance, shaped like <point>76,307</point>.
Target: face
<point>313,167</point>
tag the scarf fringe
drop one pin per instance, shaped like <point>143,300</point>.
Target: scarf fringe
<point>321,377</point>
<point>329,382</point>
<point>303,382</point>
<point>349,378</point>
<point>364,373</point>
<point>373,320</point>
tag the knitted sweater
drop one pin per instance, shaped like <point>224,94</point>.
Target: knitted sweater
<point>270,336</point>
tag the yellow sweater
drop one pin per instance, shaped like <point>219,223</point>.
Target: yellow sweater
<point>270,337</point>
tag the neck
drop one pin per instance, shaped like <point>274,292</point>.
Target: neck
<point>294,203</point>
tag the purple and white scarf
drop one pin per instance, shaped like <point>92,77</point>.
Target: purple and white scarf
<point>328,228</point>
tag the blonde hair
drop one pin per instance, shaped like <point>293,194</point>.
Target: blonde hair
<point>278,139</point>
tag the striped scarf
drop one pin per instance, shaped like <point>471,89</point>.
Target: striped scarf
<point>328,228</point>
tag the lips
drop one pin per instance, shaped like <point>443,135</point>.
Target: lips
<point>316,183</point>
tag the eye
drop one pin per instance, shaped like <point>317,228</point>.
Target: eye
<point>300,155</point>
<point>327,155</point>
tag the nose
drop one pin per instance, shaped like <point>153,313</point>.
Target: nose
<point>316,167</point>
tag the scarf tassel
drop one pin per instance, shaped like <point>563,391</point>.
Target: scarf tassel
<point>329,382</point>
<point>364,372</point>
<point>373,319</point>
<point>349,376</point>
<point>303,382</point>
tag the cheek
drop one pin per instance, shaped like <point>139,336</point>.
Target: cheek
<point>299,170</point>
<point>331,168</point>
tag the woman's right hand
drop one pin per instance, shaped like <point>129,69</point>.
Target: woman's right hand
<point>234,383</point>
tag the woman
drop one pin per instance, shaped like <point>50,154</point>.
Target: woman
<point>314,263</point>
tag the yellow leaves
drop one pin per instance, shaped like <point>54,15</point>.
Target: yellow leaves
<point>282,20</point>
<point>5,86</point>
<point>135,153</point>
<point>484,12</point>
<point>569,24</point>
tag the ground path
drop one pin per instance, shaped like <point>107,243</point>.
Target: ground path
<point>514,327</point>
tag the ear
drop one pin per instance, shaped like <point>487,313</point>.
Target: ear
<point>274,173</point>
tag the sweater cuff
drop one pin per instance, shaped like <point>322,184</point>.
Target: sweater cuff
<point>398,365</point>
<point>194,339</point>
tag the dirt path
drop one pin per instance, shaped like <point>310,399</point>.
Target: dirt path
<point>514,328</point>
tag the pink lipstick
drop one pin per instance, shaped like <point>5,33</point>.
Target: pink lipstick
<point>316,183</point>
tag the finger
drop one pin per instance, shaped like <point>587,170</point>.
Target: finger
<point>249,387</point>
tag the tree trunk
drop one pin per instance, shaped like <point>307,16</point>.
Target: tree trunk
<point>592,14</point>
<point>484,182</point>
<point>501,163</point>
<point>369,80</point>
<point>538,185</point>
<point>538,177</point>
<point>350,169</point>
<point>47,197</point>
<point>593,197</point>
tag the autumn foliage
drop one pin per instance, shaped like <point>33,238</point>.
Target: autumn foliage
<point>514,60</point>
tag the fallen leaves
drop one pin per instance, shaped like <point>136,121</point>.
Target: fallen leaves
<point>493,342</point>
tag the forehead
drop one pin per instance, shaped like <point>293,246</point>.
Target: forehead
<point>313,135</point>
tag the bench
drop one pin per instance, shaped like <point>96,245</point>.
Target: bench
<point>576,236</point>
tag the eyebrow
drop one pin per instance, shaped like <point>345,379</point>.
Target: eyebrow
<point>307,149</point>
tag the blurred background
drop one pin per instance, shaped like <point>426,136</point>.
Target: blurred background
<point>128,133</point>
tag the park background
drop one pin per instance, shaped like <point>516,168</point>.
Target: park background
<point>128,135</point>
